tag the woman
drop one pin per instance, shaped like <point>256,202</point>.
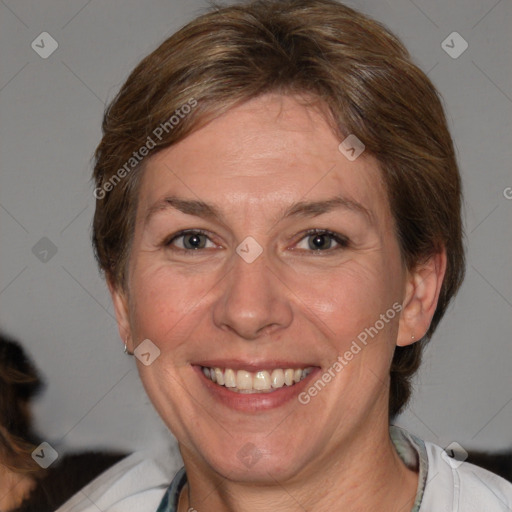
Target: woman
<point>278,221</point>
<point>25,486</point>
<point>19,384</point>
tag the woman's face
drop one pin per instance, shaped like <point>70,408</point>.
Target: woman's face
<point>288,262</point>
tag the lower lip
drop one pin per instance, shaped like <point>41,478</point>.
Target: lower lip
<point>255,402</point>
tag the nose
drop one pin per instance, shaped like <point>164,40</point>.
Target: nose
<point>253,302</point>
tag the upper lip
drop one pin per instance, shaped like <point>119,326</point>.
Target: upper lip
<point>238,364</point>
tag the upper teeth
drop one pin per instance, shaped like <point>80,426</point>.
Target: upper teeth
<point>244,381</point>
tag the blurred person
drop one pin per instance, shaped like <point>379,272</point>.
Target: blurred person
<point>24,485</point>
<point>278,218</point>
<point>19,384</point>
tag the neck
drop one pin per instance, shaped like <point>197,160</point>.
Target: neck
<point>363,473</point>
<point>14,488</point>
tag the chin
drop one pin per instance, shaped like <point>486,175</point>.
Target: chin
<point>256,461</point>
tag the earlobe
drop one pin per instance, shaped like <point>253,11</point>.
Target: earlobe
<point>119,299</point>
<point>421,295</point>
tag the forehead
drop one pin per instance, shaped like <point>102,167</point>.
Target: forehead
<point>266,154</point>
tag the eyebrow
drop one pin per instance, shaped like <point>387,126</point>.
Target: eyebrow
<point>199,208</point>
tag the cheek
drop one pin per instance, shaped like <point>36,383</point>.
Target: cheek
<point>162,301</point>
<point>349,299</point>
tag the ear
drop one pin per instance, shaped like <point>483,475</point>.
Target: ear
<point>121,308</point>
<point>422,290</point>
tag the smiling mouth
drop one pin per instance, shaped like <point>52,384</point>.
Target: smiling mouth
<point>263,381</point>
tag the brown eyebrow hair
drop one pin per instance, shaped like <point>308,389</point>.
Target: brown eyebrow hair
<point>205,210</point>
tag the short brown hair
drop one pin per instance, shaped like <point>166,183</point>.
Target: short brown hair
<point>359,70</point>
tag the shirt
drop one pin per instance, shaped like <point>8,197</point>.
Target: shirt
<point>141,482</point>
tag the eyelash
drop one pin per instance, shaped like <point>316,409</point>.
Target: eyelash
<point>341,240</point>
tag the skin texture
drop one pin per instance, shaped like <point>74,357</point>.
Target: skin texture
<point>14,488</point>
<point>292,303</point>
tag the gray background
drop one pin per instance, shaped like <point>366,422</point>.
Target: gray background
<point>51,110</point>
